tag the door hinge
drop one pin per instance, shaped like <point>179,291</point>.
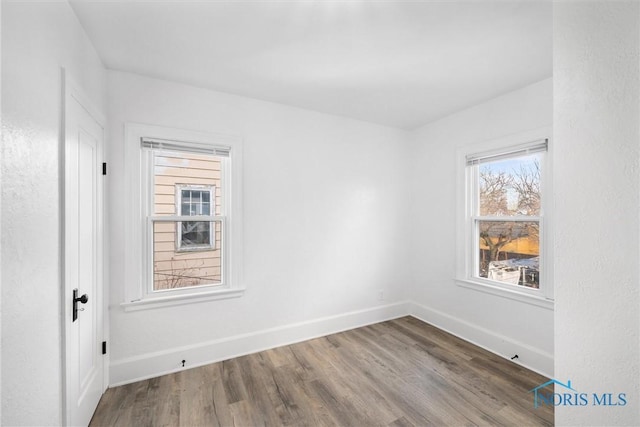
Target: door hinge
<point>104,169</point>
<point>104,347</point>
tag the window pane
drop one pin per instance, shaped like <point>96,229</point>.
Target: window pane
<point>196,197</point>
<point>205,209</point>
<point>510,187</point>
<point>509,252</point>
<point>180,269</point>
<point>195,233</point>
<point>183,183</point>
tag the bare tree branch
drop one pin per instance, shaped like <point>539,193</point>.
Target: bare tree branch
<point>495,187</point>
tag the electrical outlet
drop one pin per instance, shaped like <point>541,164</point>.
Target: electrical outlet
<point>381,295</point>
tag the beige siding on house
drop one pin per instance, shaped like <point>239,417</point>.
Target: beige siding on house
<point>173,268</point>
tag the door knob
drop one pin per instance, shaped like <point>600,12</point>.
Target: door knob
<point>83,299</point>
<point>76,299</point>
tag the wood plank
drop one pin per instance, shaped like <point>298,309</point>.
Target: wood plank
<point>187,272</point>
<point>187,172</point>
<point>221,409</point>
<point>168,189</point>
<point>171,247</point>
<point>166,236</point>
<point>164,227</point>
<point>173,255</point>
<point>196,398</point>
<point>397,373</point>
<point>164,209</point>
<point>189,161</point>
<point>173,180</point>
<point>187,264</point>
<point>159,284</point>
<point>164,199</point>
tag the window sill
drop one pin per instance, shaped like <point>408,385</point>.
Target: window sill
<point>527,298</point>
<point>168,301</point>
<point>195,249</point>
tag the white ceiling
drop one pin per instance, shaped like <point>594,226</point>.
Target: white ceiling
<point>401,64</point>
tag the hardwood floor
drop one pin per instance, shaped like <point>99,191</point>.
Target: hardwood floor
<point>397,373</point>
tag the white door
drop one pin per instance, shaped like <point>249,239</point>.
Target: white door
<point>83,264</point>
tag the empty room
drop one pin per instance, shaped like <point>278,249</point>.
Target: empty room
<point>333,213</point>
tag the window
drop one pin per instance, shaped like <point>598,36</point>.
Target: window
<point>188,208</point>
<point>191,201</point>
<point>505,220</point>
<point>189,175</point>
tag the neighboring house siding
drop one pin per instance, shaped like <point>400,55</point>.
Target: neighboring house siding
<point>524,246</point>
<point>175,268</point>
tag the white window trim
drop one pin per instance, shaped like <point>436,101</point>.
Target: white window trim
<point>212,210</point>
<point>147,278</point>
<point>137,295</point>
<point>465,256</point>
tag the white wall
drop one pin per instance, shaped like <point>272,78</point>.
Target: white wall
<point>324,224</point>
<point>334,190</point>
<point>37,39</point>
<point>0,210</point>
<point>505,326</point>
<point>596,126</point>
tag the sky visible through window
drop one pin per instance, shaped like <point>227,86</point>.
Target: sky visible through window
<point>509,247</point>
<point>510,167</point>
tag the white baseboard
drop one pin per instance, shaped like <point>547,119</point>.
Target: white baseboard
<point>150,365</point>
<point>530,357</point>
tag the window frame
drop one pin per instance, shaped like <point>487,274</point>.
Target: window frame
<point>212,212</point>
<point>468,218</point>
<point>139,221</point>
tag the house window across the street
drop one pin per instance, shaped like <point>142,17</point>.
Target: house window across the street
<point>192,201</point>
